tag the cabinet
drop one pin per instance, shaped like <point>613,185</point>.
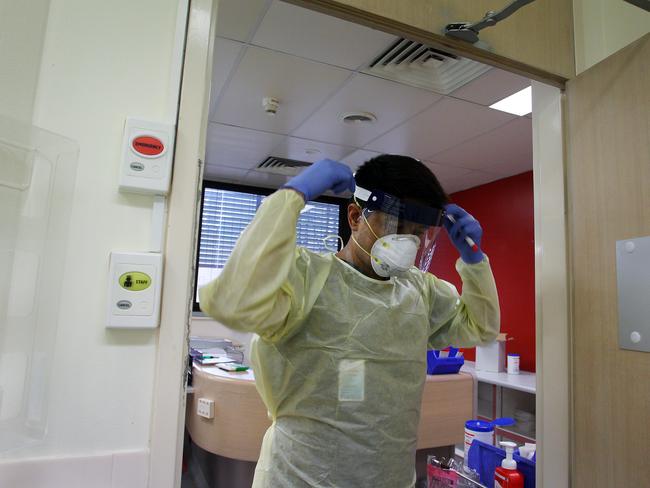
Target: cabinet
<point>504,395</point>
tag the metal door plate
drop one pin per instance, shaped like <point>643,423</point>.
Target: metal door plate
<point>633,278</point>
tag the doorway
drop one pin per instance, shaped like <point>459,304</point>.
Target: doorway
<point>267,51</point>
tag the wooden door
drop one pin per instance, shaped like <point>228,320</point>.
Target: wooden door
<point>609,200</point>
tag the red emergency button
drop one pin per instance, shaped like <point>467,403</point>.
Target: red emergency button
<point>148,146</point>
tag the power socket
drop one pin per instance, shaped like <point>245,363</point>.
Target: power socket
<point>205,408</point>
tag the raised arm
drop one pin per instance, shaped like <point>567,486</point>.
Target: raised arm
<point>261,288</point>
<point>469,319</point>
<point>472,318</point>
<point>256,291</point>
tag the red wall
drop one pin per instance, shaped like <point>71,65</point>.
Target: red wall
<point>505,210</point>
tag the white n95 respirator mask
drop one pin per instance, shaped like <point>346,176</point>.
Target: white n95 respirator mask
<point>394,254</point>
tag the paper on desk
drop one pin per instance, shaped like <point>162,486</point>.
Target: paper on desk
<point>217,360</point>
<point>237,375</point>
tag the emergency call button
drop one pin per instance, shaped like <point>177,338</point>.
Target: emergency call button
<point>147,152</point>
<point>148,146</point>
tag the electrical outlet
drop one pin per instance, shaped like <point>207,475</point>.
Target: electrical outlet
<point>205,408</point>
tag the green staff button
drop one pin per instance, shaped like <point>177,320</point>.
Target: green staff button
<point>135,281</point>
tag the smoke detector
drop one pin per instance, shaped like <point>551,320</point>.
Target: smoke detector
<point>358,118</point>
<point>270,105</point>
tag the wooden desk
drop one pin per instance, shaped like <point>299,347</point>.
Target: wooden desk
<point>240,417</point>
<point>447,402</point>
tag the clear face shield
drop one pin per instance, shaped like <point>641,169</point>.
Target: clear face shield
<point>400,227</point>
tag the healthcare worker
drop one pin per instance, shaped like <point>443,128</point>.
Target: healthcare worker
<point>340,351</point>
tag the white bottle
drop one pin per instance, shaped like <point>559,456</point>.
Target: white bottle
<point>527,450</point>
<point>513,363</point>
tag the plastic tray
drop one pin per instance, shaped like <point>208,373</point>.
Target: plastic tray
<point>448,365</point>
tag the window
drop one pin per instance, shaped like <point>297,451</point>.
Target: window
<point>226,210</point>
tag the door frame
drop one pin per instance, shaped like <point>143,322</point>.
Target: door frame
<point>169,397</point>
<point>551,261</point>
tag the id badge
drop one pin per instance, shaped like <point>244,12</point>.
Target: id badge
<point>352,379</point>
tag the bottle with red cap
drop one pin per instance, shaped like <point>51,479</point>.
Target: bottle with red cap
<point>507,476</point>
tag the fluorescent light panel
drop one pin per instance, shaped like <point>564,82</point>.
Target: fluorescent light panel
<point>519,103</point>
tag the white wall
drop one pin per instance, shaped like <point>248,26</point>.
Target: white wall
<point>101,62</point>
<point>602,27</point>
<point>22,29</point>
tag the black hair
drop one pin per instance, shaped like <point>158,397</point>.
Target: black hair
<point>403,177</point>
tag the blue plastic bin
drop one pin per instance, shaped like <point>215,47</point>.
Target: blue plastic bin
<point>448,365</point>
<point>485,458</point>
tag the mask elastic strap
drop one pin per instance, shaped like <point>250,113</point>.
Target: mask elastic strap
<point>363,214</point>
<point>374,258</point>
<point>360,246</point>
<point>332,236</point>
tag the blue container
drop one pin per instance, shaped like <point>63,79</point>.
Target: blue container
<point>485,458</point>
<point>448,365</point>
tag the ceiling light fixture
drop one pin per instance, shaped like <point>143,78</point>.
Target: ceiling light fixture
<point>358,118</point>
<point>519,103</point>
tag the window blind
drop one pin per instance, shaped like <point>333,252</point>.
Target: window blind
<point>226,214</point>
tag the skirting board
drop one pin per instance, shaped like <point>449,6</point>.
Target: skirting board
<point>120,469</point>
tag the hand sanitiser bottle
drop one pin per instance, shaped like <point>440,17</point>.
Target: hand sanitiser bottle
<point>507,475</point>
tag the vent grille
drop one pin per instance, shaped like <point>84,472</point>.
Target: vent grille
<point>282,166</point>
<point>422,66</point>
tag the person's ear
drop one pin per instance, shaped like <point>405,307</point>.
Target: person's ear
<point>354,216</point>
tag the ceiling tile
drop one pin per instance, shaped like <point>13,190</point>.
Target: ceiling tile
<point>445,171</point>
<point>300,86</point>
<point>358,157</point>
<point>226,53</point>
<point>511,169</point>
<point>238,147</point>
<point>466,181</point>
<point>447,123</point>
<point>320,37</point>
<point>237,18</point>
<point>491,87</point>
<point>390,102</point>
<point>311,151</point>
<point>506,150</point>
<point>225,173</point>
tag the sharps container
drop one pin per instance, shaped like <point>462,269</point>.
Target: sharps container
<point>477,430</point>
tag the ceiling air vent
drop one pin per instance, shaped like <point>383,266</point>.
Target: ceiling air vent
<point>415,64</point>
<point>282,166</point>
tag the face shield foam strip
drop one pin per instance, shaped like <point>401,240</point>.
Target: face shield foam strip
<point>362,194</point>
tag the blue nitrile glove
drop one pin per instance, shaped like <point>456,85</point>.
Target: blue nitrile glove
<point>321,176</point>
<point>465,226</point>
